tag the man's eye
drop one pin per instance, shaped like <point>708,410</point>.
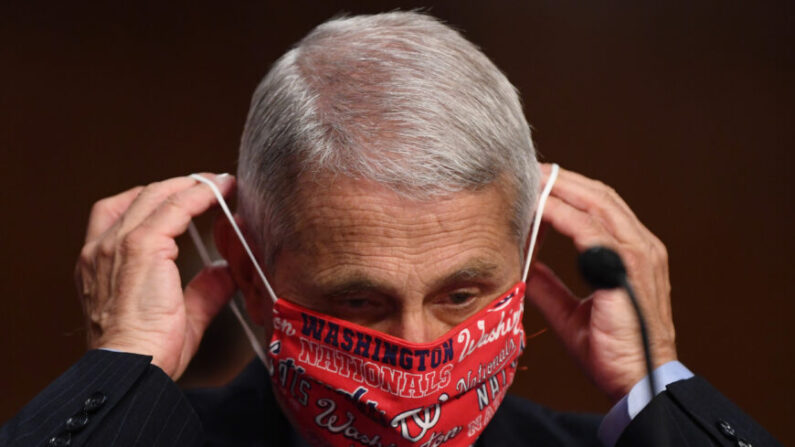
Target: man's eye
<point>461,298</point>
<point>359,310</point>
<point>356,303</point>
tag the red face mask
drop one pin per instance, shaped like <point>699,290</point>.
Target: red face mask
<point>345,385</point>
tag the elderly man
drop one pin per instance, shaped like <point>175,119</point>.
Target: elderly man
<point>387,182</point>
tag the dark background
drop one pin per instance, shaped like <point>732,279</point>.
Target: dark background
<point>685,108</point>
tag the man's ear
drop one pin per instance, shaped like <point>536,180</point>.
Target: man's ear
<point>258,302</point>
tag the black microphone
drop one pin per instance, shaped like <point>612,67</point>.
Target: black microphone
<point>603,269</point>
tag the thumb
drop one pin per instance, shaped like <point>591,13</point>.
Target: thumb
<point>552,298</point>
<point>207,293</point>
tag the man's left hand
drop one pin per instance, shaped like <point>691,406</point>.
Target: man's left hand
<point>602,331</point>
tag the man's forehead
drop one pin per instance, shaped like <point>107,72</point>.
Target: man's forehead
<point>348,229</point>
<point>352,214</point>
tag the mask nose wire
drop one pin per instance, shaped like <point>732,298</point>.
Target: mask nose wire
<point>205,256</point>
<point>542,201</point>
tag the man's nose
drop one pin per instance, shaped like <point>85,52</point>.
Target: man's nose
<point>414,326</point>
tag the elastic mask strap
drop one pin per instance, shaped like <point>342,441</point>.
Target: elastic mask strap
<point>542,201</point>
<point>232,222</point>
<point>205,256</point>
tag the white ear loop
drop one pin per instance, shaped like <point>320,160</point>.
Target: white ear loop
<point>239,233</point>
<point>205,256</point>
<point>542,201</point>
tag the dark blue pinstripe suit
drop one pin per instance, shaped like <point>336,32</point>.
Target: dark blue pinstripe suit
<point>142,406</point>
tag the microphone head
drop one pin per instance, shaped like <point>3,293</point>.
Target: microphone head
<point>602,268</point>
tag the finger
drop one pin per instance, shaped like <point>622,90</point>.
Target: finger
<point>580,179</point>
<point>172,216</point>
<point>103,250</point>
<point>206,294</point>
<point>552,298</point>
<point>596,198</point>
<point>156,234</point>
<point>582,228</point>
<point>107,211</point>
<point>612,195</point>
<point>151,197</point>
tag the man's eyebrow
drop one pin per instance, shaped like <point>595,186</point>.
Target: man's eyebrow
<point>350,284</point>
<point>474,270</point>
<point>353,283</point>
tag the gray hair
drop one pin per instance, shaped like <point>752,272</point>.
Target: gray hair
<point>398,98</point>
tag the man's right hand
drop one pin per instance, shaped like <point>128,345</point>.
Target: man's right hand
<point>128,281</point>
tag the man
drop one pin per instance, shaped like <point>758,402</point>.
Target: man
<point>387,181</point>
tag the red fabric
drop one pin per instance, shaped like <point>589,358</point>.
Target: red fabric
<point>345,385</point>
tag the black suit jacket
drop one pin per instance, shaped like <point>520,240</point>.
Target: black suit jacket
<point>117,399</point>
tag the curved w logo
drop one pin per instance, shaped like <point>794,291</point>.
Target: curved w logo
<point>428,420</point>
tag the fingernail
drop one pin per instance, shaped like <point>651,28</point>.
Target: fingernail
<point>222,178</point>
